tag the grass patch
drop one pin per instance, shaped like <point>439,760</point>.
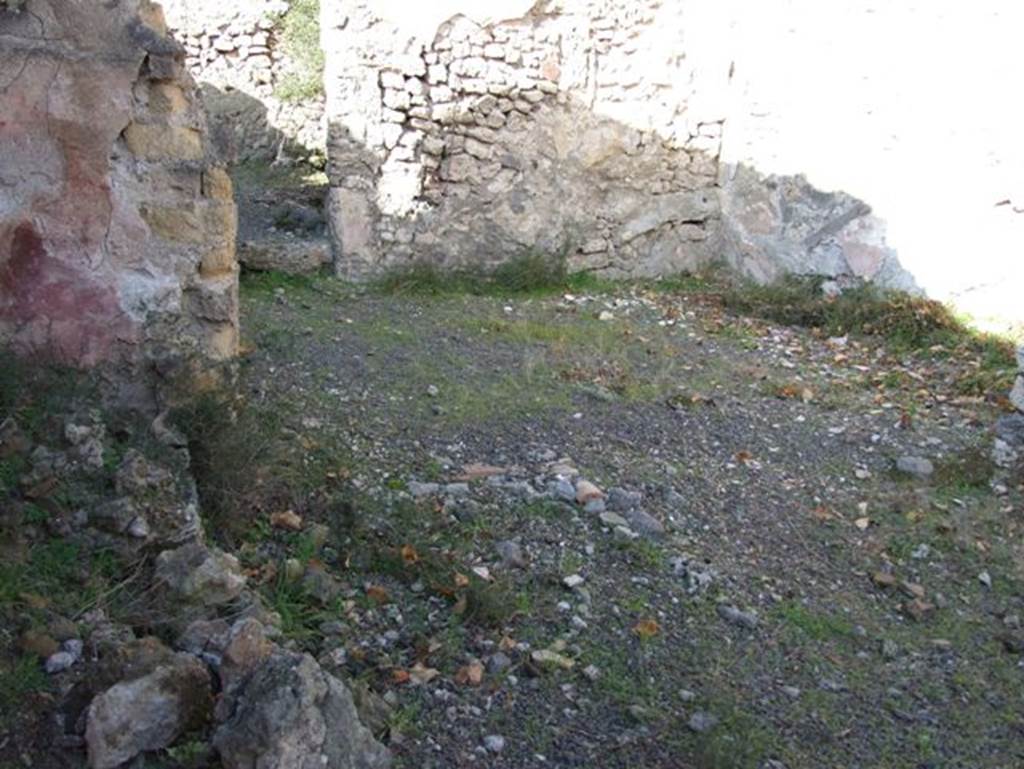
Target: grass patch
<point>970,470</point>
<point>56,576</point>
<point>470,393</point>
<point>815,625</point>
<point>249,461</point>
<point>406,720</point>
<point>298,611</point>
<point>737,742</point>
<point>19,678</point>
<point>10,471</point>
<point>623,679</point>
<point>260,175</point>
<point>32,393</point>
<point>645,554</point>
<point>907,323</point>
<point>530,274</point>
<point>265,283</point>
<point>490,604</point>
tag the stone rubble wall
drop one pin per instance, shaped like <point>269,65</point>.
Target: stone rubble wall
<point>1008,448</point>
<point>1017,394</point>
<point>233,50</point>
<point>567,129</point>
<point>648,136</point>
<point>117,231</point>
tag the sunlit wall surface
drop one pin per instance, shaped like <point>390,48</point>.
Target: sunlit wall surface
<point>913,107</point>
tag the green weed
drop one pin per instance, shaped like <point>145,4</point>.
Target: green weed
<point>531,274</point>
<point>299,614</point>
<point>815,625</point>
<point>300,35</point>
<point>969,470</point>
<point>489,604</point>
<point>263,283</point>
<point>19,678</point>
<point>262,175</point>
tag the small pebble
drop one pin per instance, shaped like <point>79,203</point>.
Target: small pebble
<point>736,617</point>
<point>702,722</point>
<point>59,662</point>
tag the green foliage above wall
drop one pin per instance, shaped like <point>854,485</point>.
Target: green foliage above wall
<point>299,30</point>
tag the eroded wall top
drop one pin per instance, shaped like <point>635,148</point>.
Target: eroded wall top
<point>264,101</point>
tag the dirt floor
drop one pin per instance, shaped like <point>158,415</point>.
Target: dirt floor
<point>759,586</point>
<point>620,527</point>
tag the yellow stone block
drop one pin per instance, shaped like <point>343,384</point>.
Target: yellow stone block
<point>152,15</point>
<point>219,260</point>
<point>153,141</point>
<point>222,341</point>
<point>178,223</point>
<point>167,98</point>
<point>221,217</point>
<point>217,184</point>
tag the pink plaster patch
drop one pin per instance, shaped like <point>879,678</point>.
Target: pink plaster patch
<point>79,318</point>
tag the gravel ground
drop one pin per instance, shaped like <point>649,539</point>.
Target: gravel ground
<point>630,530</point>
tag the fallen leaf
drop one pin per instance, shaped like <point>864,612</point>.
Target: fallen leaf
<point>421,674</point>
<point>647,628</point>
<point>476,470</point>
<point>288,519</point>
<point>459,606</point>
<point>823,514</point>
<point>507,643</point>
<point>266,573</point>
<point>461,580</point>
<point>409,555</point>
<point>787,391</point>
<point>378,594</point>
<point>587,491</point>
<point>862,523</point>
<point>918,609</point>
<point>399,676</point>
<point>548,657</point>
<point>34,600</point>
<point>42,489</point>
<point>470,675</point>
<point>912,589</point>
<point>743,457</point>
<point>883,579</point>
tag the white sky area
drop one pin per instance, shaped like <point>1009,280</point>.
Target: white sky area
<point>915,107</point>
